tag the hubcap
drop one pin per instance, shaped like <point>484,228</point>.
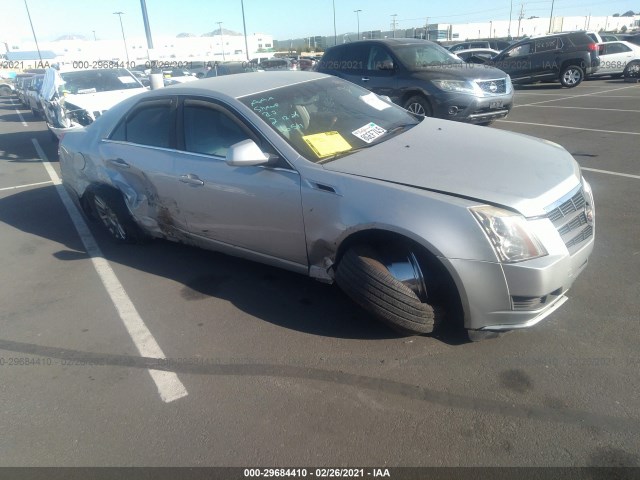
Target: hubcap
<point>109,218</point>
<point>571,77</point>
<point>417,109</point>
<point>404,266</point>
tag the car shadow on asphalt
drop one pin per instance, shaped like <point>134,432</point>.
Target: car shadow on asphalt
<point>282,298</point>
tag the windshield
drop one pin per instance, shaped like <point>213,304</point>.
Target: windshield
<point>416,56</point>
<point>328,118</point>
<point>100,80</point>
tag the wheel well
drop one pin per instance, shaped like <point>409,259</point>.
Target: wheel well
<point>89,192</point>
<point>575,61</point>
<point>415,93</point>
<point>436,274</point>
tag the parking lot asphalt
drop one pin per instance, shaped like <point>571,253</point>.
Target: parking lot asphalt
<point>279,370</point>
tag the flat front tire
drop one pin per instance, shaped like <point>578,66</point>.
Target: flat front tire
<point>363,277</point>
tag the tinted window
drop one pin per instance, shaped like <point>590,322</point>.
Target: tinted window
<point>209,130</point>
<point>581,39</point>
<point>149,126</point>
<point>379,58</point>
<point>615,48</point>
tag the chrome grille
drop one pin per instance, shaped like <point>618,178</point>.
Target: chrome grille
<point>569,218</point>
<point>494,87</point>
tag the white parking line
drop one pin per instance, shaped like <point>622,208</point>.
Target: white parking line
<point>169,386</point>
<point>637,177</point>
<point>24,124</point>
<point>569,128</point>
<point>25,186</point>
<point>576,96</point>
<point>583,108</point>
<point>518,93</point>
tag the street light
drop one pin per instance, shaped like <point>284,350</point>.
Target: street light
<point>551,16</point>
<point>126,51</point>
<point>221,39</point>
<point>393,23</point>
<point>357,12</point>
<point>244,26</point>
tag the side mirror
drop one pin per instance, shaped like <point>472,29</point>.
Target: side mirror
<point>246,154</point>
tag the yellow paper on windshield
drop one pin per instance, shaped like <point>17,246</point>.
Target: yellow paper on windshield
<point>327,143</point>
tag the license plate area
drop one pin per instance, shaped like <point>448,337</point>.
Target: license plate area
<point>496,104</point>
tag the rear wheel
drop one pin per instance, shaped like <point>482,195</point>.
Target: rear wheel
<point>109,207</point>
<point>571,76</point>
<point>419,105</point>
<point>390,286</point>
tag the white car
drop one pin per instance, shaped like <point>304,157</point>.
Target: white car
<point>618,59</point>
<point>74,99</point>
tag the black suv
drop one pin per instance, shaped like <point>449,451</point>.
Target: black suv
<point>424,78</point>
<point>564,57</point>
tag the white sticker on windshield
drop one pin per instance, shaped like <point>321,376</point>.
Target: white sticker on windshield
<point>126,80</point>
<point>369,132</point>
<point>373,101</point>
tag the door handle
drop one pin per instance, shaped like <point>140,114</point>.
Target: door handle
<point>191,179</point>
<point>118,162</point>
<point>365,79</point>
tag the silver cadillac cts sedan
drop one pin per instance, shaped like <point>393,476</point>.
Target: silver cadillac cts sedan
<point>423,222</point>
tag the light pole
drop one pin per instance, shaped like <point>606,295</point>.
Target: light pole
<point>393,24</point>
<point>94,36</point>
<point>510,13</point>
<point>244,26</point>
<point>33,31</point>
<point>335,35</point>
<point>551,16</point>
<point>357,12</point>
<point>126,51</point>
<point>221,40</point>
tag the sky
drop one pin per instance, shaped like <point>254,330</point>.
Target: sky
<point>283,19</point>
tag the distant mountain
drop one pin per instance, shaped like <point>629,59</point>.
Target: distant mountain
<point>70,37</point>
<point>224,32</point>
<point>186,35</point>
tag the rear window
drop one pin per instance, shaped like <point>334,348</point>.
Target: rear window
<point>580,39</point>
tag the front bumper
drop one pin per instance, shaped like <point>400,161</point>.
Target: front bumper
<point>505,296</point>
<point>472,109</point>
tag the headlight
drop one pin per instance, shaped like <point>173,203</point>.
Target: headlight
<point>459,86</point>
<point>509,234</point>
<point>509,85</point>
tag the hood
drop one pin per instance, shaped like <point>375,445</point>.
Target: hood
<point>101,101</point>
<point>488,165</point>
<point>463,71</point>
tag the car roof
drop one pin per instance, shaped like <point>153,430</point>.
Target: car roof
<point>241,84</point>
<point>389,41</point>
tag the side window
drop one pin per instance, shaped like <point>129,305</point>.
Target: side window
<point>615,48</point>
<point>520,50</point>
<point>547,45</point>
<point>379,59</point>
<point>209,130</point>
<point>152,124</point>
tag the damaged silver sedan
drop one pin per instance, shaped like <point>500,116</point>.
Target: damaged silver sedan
<point>316,175</point>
